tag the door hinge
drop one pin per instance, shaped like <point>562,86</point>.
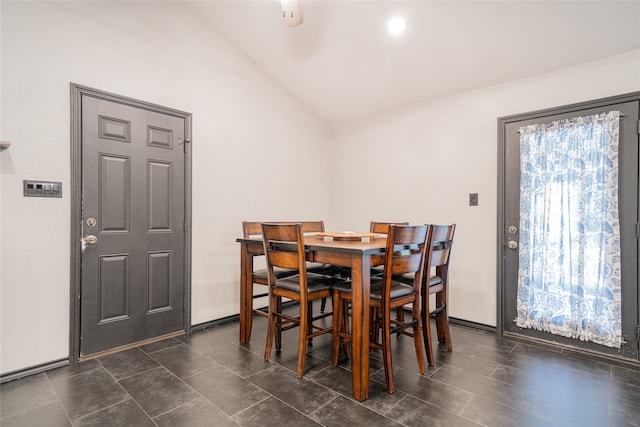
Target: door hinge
<point>184,146</point>
<point>638,127</point>
<point>638,230</point>
<point>638,333</point>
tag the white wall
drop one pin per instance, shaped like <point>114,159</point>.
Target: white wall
<point>159,52</point>
<point>419,164</point>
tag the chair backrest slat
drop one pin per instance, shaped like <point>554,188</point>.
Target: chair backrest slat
<point>439,253</point>
<point>383,227</point>
<point>312,226</point>
<point>251,229</point>
<point>407,264</point>
<point>405,253</point>
<point>279,258</point>
<point>442,240</point>
<point>439,257</point>
<point>443,233</point>
<point>284,247</point>
<point>254,228</point>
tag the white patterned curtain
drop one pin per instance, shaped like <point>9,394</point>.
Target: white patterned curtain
<point>569,280</point>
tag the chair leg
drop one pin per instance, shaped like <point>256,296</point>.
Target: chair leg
<point>438,317</point>
<point>442,321</point>
<point>386,349</point>
<point>278,324</point>
<point>340,326</point>
<point>426,326</point>
<point>323,305</point>
<point>447,332</point>
<point>346,328</point>
<point>271,327</point>
<point>302,337</point>
<point>337,327</point>
<point>417,337</point>
<point>310,322</point>
<point>374,328</point>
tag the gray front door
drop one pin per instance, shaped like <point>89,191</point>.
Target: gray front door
<point>628,213</point>
<point>132,224</point>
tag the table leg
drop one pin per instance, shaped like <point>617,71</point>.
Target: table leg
<point>246,293</point>
<point>361,280</point>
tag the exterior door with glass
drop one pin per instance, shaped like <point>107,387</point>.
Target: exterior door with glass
<point>546,270</point>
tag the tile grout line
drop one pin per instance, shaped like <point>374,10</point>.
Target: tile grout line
<point>58,399</point>
<point>188,385</point>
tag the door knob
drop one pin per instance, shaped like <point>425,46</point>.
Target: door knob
<point>512,244</point>
<point>90,239</point>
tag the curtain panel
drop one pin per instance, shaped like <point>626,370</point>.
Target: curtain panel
<point>569,278</point>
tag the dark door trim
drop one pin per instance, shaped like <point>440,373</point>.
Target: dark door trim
<point>502,176</point>
<point>75,191</point>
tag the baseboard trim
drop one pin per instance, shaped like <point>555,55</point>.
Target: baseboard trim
<point>232,318</point>
<point>212,323</point>
<point>470,324</point>
<point>33,370</point>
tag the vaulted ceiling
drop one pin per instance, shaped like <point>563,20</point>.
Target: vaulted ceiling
<point>344,65</point>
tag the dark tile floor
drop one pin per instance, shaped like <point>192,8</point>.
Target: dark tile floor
<point>209,379</point>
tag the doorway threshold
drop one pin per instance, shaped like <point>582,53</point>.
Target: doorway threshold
<point>130,346</point>
<point>621,361</point>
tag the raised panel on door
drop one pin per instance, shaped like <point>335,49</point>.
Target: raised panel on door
<point>158,137</point>
<point>159,195</point>
<point>114,187</point>
<point>113,288</point>
<point>114,129</point>
<point>159,281</point>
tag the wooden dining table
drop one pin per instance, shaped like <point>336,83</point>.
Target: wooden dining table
<point>360,256</point>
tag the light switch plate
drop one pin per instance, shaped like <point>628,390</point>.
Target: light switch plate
<point>42,188</point>
<point>473,199</point>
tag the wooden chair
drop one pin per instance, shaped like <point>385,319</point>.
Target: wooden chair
<point>284,248</point>
<point>261,276</point>
<point>253,229</point>
<point>405,254</point>
<point>378,228</point>
<point>438,258</point>
<point>438,284</point>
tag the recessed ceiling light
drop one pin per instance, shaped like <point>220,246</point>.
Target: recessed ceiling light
<point>396,25</point>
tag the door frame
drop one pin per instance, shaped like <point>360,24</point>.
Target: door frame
<point>75,192</point>
<point>502,176</point>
